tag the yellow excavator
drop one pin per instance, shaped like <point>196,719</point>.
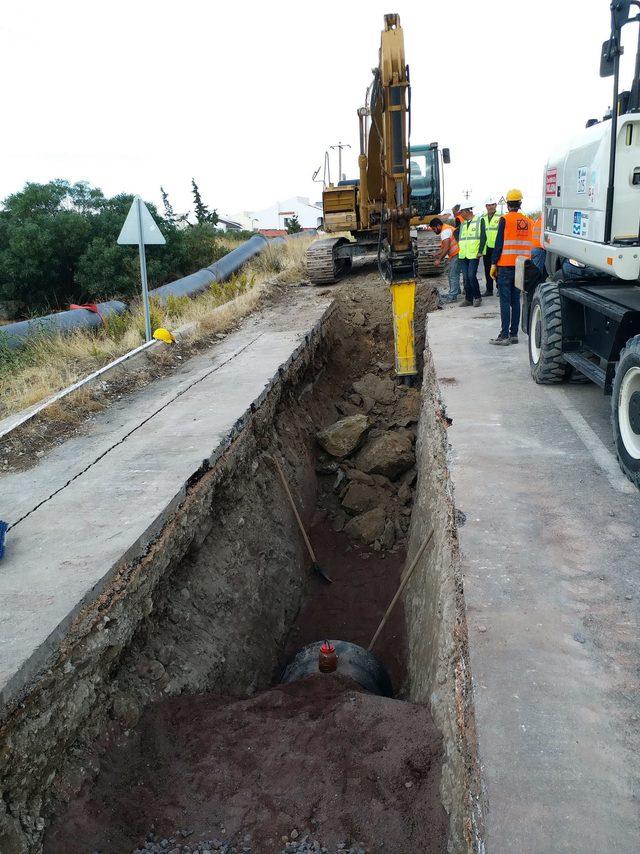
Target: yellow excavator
<point>398,188</point>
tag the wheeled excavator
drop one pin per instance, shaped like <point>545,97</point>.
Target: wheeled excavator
<point>399,187</point>
<point>583,314</point>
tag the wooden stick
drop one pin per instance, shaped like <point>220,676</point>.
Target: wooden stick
<point>294,508</point>
<point>403,584</point>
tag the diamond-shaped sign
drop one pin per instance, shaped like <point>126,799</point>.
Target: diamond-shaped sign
<point>140,224</point>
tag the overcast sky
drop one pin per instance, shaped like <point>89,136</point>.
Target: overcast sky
<point>247,96</point>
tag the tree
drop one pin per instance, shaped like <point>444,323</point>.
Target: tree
<point>202,212</point>
<point>293,225</point>
<point>169,214</point>
<point>58,245</point>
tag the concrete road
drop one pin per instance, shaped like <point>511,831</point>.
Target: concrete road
<point>101,498</point>
<point>552,588</point>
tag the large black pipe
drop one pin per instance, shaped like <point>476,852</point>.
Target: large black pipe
<point>14,335</point>
<point>217,272</point>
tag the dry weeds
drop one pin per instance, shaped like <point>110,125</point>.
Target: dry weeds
<point>50,363</point>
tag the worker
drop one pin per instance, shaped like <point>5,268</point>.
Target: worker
<point>538,253</point>
<point>472,240</point>
<point>448,249</point>
<point>491,219</point>
<point>514,239</point>
<point>457,218</point>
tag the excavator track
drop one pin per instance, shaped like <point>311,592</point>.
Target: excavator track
<point>428,244</point>
<point>323,267</point>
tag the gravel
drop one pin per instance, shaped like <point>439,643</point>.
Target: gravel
<point>295,842</point>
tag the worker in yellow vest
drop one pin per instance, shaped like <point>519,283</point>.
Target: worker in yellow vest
<point>514,239</point>
<point>491,219</point>
<point>471,240</point>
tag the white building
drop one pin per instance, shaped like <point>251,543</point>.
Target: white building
<point>276,216</point>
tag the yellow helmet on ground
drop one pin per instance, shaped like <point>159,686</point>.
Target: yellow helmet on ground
<point>164,335</point>
<point>514,196</point>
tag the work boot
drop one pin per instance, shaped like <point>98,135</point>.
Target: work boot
<point>465,303</point>
<point>500,340</point>
<point>513,339</point>
<point>487,293</point>
<point>477,302</point>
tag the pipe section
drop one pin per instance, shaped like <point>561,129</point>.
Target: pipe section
<point>14,335</point>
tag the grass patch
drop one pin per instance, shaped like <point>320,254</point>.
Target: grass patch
<point>46,364</point>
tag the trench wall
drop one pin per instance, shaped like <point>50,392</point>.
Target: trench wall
<point>438,661</point>
<point>233,552</point>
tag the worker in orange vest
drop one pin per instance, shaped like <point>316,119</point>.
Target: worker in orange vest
<point>515,235</point>
<point>448,249</point>
<point>538,252</point>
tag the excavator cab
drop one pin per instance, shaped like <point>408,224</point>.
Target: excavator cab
<point>425,179</point>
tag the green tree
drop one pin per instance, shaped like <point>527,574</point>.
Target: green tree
<point>169,214</point>
<point>58,245</point>
<point>293,225</point>
<point>202,212</point>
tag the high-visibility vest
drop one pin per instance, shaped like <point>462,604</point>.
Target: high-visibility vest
<point>517,238</point>
<point>491,227</point>
<point>453,243</point>
<point>469,238</point>
<point>536,234</point>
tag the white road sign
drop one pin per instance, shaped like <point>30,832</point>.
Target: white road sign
<point>139,226</point>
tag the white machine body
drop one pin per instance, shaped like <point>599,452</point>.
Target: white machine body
<point>575,199</point>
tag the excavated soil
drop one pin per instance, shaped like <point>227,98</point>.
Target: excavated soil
<point>215,770</point>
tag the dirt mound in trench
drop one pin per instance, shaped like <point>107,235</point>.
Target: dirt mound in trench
<point>317,756</point>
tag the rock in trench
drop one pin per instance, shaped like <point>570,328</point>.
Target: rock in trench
<point>343,437</point>
<point>380,389</point>
<point>361,497</point>
<point>389,454</point>
<point>368,527</point>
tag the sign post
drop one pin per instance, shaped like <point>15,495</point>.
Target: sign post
<point>139,227</point>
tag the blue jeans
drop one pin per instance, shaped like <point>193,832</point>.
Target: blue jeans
<point>469,267</point>
<point>453,272</point>
<point>509,301</point>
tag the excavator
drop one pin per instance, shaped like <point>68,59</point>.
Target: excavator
<point>398,188</point>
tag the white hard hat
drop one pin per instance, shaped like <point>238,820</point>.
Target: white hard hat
<point>491,200</point>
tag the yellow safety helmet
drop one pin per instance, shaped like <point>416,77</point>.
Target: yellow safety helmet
<point>514,196</point>
<point>164,335</point>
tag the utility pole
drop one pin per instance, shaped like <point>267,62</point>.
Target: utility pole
<point>340,146</point>
<point>466,194</point>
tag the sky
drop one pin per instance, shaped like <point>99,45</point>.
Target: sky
<point>246,97</point>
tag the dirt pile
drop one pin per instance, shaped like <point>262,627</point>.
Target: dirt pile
<point>317,758</point>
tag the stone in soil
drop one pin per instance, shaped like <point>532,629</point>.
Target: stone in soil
<point>367,527</point>
<point>361,497</point>
<point>389,454</point>
<point>379,389</point>
<point>344,436</point>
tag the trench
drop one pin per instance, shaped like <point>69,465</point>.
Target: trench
<point>188,742</point>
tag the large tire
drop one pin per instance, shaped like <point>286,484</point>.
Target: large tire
<point>545,336</point>
<point>625,410</point>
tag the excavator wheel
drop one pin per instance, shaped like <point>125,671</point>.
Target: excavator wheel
<point>428,245</point>
<point>323,267</point>
<point>545,336</point>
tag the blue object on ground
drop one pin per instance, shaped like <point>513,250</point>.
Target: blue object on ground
<point>4,527</point>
